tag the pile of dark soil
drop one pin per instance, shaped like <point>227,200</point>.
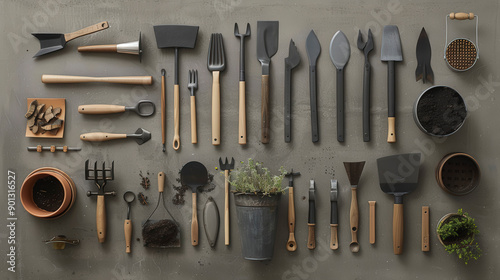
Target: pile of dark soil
<point>441,111</point>
<point>162,233</point>
<point>48,194</point>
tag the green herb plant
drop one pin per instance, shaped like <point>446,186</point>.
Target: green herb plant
<point>253,177</point>
<point>459,232</point>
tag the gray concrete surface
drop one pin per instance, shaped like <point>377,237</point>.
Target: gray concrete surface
<point>20,78</point>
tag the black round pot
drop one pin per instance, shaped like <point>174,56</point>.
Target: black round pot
<point>257,218</point>
<point>440,111</point>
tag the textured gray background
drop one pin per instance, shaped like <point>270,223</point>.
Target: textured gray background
<point>20,78</point>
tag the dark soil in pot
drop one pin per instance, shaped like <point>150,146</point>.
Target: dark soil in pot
<point>441,110</point>
<point>48,194</point>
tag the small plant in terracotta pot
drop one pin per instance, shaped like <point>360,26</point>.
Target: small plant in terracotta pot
<point>456,231</point>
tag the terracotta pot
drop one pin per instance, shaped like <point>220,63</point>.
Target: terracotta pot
<point>26,192</point>
<point>458,173</point>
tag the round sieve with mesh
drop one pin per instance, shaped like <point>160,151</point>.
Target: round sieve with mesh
<point>461,54</point>
<point>458,173</point>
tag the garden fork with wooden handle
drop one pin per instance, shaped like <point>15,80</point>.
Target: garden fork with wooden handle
<point>216,63</point>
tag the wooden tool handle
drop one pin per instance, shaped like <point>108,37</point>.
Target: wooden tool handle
<point>334,241</point>
<point>291,244</point>
<point>177,139</point>
<point>194,223</point>
<point>98,48</point>
<point>87,30</point>
<point>425,229</point>
<point>96,109</point>
<point>101,136</point>
<point>391,132</point>
<point>64,79</point>
<point>215,109</point>
<point>311,239</point>
<point>163,108</point>
<point>242,120</point>
<point>265,125</point>
<point>372,221</point>
<point>354,215</point>
<point>461,16</point>
<point>127,227</point>
<point>226,207</point>
<point>397,229</point>
<point>161,181</point>
<point>101,219</point>
<point>194,135</point>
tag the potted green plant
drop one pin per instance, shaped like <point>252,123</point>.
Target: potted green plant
<point>456,231</point>
<point>256,195</point>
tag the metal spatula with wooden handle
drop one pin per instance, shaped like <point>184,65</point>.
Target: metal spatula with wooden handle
<point>398,175</point>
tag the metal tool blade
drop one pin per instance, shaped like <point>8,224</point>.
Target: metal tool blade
<point>398,174</point>
<point>312,199</point>
<point>333,190</point>
<point>293,58</point>
<point>175,36</point>
<point>340,50</point>
<point>391,44</point>
<point>141,136</point>
<point>424,71</point>
<point>313,48</point>
<point>267,43</point>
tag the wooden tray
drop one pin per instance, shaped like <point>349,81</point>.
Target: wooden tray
<point>55,102</point>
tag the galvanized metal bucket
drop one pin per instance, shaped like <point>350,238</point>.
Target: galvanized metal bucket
<point>257,218</point>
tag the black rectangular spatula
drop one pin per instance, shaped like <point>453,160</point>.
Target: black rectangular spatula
<point>398,175</point>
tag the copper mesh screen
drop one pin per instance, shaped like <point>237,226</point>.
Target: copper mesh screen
<point>461,54</point>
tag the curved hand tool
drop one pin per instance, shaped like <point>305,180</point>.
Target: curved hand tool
<point>51,42</point>
<point>227,167</point>
<point>340,51</point>
<point>141,136</point>
<point>192,85</point>
<point>291,244</point>
<point>129,197</point>
<point>313,49</point>
<point>242,120</point>
<point>267,46</point>
<point>143,108</point>
<point>216,63</point>
<point>366,47</point>
<point>291,62</point>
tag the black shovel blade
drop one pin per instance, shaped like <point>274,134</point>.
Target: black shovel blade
<point>176,36</point>
<point>424,71</point>
<point>293,58</point>
<point>49,42</point>
<point>194,174</point>
<point>398,174</point>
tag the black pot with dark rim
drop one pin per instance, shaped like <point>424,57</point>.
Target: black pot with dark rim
<point>440,111</point>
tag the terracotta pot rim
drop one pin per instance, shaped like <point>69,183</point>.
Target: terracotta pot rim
<point>68,188</point>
